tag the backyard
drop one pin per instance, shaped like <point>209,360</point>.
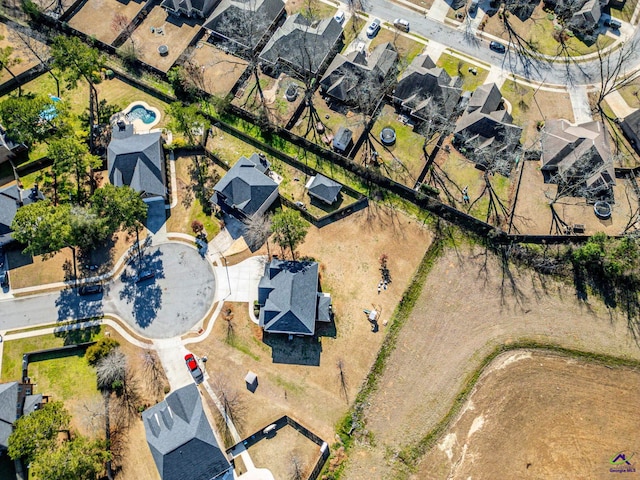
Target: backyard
<point>99,18</point>
<point>220,70</point>
<point>21,59</point>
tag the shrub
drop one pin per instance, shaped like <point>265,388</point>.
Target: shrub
<point>100,349</point>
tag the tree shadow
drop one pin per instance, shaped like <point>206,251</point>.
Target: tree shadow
<point>145,296</point>
<point>72,308</point>
<point>297,351</point>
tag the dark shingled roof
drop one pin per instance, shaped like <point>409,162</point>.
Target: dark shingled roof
<point>11,199</point>
<point>137,161</point>
<point>288,295</point>
<point>423,83</point>
<point>245,187</point>
<point>631,128</point>
<point>8,411</point>
<point>346,73</point>
<point>323,188</point>
<point>190,7</point>
<point>302,45</point>
<point>244,21</point>
<point>181,440</point>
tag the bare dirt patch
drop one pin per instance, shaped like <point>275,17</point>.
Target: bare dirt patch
<point>550,416</point>
<point>96,16</point>
<point>220,70</point>
<point>464,312</point>
<point>20,59</point>
<point>348,252</point>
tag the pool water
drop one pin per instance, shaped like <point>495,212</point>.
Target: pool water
<point>140,113</point>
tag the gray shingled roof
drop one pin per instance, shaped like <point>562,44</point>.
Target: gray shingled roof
<point>8,411</point>
<point>11,198</point>
<point>138,161</point>
<point>244,21</point>
<point>288,295</point>
<point>302,45</point>
<point>631,128</point>
<point>346,73</point>
<point>324,188</point>
<point>423,82</point>
<point>203,7</point>
<point>245,187</point>
<point>180,438</point>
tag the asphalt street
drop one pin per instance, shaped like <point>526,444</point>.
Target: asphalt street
<point>584,73</point>
<point>165,306</point>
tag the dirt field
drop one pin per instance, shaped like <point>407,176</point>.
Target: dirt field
<point>534,415</point>
<point>533,214</point>
<point>221,70</point>
<point>177,33</point>
<point>462,315</point>
<point>96,16</point>
<point>21,58</point>
<point>310,390</point>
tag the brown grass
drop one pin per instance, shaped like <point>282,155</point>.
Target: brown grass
<point>21,58</point>
<point>95,17</point>
<point>221,70</point>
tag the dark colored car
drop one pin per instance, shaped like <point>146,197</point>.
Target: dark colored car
<point>144,275</point>
<point>193,367</point>
<point>90,289</point>
<point>497,47</point>
<point>4,279</point>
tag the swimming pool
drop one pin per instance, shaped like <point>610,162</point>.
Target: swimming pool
<point>139,112</point>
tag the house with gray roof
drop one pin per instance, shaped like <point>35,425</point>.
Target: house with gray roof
<point>16,400</point>
<point>289,299</point>
<point>244,23</point>
<point>423,88</point>
<point>11,199</point>
<point>181,440</point>
<point>137,160</point>
<point>189,8</point>
<point>323,188</point>
<point>631,128</point>
<point>302,46</point>
<point>486,123</point>
<point>578,156</point>
<point>350,77</point>
<point>246,189</point>
<point>9,148</point>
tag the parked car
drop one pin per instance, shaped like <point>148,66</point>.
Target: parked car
<point>613,23</point>
<point>339,17</point>
<point>372,30</point>
<point>194,368</point>
<point>4,279</point>
<point>401,24</point>
<point>90,289</point>
<point>497,47</point>
<point>144,275</point>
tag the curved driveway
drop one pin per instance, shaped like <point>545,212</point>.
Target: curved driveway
<point>168,305</point>
<point>584,73</point>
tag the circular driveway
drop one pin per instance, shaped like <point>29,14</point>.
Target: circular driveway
<point>173,301</point>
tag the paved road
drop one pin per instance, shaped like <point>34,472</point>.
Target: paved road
<point>586,73</point>
<point>163,307</point>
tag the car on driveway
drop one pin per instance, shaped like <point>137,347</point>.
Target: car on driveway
<point>339,17</point>
<point>90,289</point>
<point>372,30</point>
<point>497,47</point>
<point>401,24</point>
<point>194,368</point>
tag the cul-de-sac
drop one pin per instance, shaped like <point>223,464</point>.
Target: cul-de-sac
<point>319,239</point>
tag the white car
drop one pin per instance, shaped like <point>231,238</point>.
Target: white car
<point>339,17</point>
<point>373,29</point>
<point>401,24</point>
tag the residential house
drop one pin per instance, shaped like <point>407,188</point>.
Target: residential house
<point>579,157</point>
<point>16,400</point>
<point>580,15</point>
<point>301,46</point>
<point>486,123</point>
<point>11,199</point>
<point>358,79</point>
<point>244,23</point>
<point>246,189</point>
<point>289,299</point>
<point>323,189</point>
<point>9,148</point>
<point>189,8</point>
<point>424,90</point>
<point>181,440</point>
<point>137,160</point>
<point>631,128</point>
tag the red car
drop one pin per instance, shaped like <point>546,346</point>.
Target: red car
<point>193,367</point>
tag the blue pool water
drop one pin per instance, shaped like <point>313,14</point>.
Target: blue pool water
<point>50,112</point>
<point>54,98</point>
<point>140,113</point>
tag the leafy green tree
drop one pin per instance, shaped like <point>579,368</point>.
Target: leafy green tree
<point>37,432</point>
<point>87,228</point>
<point>289,229</point>
<point>71,157</point>
<point>23,120</point>
<point>121,207</point>
<point>78,61</point>
<point>100,349</point>
<point>42,227</point>
<point>78,459</point>
<point>187,120</point>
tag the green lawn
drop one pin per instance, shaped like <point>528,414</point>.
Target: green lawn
<point>458,67</point>
<point>352,28</point>
<point>626,12</point>
<point>407,49</point>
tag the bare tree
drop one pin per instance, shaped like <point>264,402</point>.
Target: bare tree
<point>258,231</point>
<point>342,378</point>
<point>233,408</point>
<point>111,370</point>
<point>33,45</point>
<point>296,466</point>
<point>615,71</point>
<point>154,375</point>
